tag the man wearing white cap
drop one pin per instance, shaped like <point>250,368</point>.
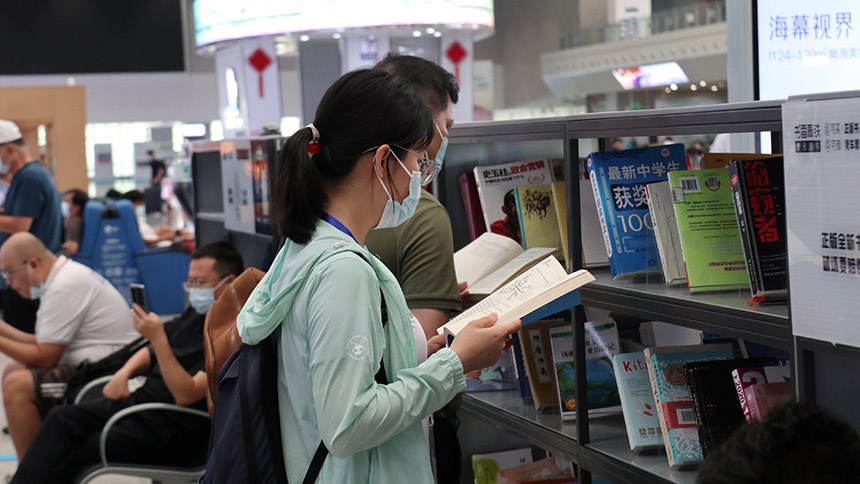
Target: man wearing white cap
<point>32,205</point>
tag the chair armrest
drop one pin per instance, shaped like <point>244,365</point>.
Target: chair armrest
<point>143,407</point>
<point>97,383</point>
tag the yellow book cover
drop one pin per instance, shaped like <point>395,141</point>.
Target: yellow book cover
<point>536,209</point>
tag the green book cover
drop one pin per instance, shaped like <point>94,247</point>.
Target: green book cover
<point>537,214</point>
<point>708,227</point>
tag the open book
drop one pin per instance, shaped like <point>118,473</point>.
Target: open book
<point>492,260</point>
<point>540,285</point>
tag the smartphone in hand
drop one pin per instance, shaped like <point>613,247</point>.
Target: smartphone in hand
<point>138,296</point>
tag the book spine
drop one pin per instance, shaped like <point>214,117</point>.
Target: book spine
<point>700,412</point>
<point>472,204</point>
<point>769,230</point>
<point>655,387</point>
<point>601,213</point>
<point>739,388</point>
<point>518,193</point>
<point>478,184</point>
<point>520,368</point>
<point>654,208</point>
<point>741,203</point>
<point>752,404</point>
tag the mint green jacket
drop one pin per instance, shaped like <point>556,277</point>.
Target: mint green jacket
<point>323,298</point>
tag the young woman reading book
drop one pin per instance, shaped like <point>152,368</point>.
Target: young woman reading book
<point>360,165</point>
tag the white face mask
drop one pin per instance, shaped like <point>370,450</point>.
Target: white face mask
<point>64,208</point>
<point>200,298</point>
<point>395,213</point>
<point>140,211</point>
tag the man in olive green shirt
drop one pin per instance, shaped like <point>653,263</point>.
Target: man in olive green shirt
<point>420,252</point>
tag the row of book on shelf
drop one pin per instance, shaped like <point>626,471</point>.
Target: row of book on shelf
<point>683,398</point>
<point>642,211</point>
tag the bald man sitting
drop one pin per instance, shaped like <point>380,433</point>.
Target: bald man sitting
<point>81,317</point>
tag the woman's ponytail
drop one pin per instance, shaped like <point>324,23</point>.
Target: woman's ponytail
<point>301,196</point>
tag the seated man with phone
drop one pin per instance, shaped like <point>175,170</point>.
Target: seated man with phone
<point>81,317</point>
<point>174,366</point>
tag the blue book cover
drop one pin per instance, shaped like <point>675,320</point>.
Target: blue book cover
<point>672,396</point>
<point>618,180</point>
<point>637,401</point>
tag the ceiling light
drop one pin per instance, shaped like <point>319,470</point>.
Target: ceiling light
<point>668,91</point>
<point>693,87</point>
<point>703,83</point>
<point>304,38</point>
<point>437,34</point>
<point>417,33</point>
<point>715,88</point>
<point>336,35</point>
<point>673,87</point>
<point>430,30</point>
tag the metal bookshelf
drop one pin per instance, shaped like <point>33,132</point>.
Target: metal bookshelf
<point>599,445</point>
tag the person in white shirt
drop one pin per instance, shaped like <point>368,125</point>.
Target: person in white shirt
<point>81,317</point>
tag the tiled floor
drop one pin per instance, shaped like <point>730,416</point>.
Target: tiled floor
<point>9,462</point>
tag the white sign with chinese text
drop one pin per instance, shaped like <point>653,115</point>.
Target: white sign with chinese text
<point>807,47</point>
<point>822,172</point>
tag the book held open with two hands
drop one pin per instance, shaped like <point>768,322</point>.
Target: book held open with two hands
<point>540,285</point>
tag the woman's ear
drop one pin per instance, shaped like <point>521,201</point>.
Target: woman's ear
<point>380,161</point>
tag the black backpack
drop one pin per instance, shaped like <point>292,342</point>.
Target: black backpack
<point>245,441</point>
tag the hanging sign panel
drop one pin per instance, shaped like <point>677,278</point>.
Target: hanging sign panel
<point>822,175</point>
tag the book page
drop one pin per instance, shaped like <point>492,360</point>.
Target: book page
<point>483,256</point>
<point>543,276</point>
<point>512,268</point>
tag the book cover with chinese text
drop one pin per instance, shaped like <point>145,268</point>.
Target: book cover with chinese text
<point>637,401</point>
<point>708,228</point>
<point>496,182</point>
<point>758,193</point>
<point>672,396</point>
<point>601,343</point>
<point>618,180</point>
<point>537,353</point>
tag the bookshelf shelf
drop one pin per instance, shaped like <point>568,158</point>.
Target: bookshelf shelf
<point>726,313</point>
<point>608,454</point>
<point>599,444</point>
<point>507,411</point>
<point>211,216</point>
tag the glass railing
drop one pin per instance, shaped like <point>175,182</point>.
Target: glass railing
<point>684,17</point>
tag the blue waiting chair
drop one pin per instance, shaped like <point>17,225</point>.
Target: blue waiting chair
<point>112,246</point>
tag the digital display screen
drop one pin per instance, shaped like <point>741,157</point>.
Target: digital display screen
<point>807,47</point>
<point>220,20</point>
<point>653,75</point>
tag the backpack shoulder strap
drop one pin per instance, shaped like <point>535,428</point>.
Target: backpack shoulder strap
<point>380,377</point>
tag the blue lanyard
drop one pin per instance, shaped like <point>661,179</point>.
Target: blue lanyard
<point>336,223</point>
